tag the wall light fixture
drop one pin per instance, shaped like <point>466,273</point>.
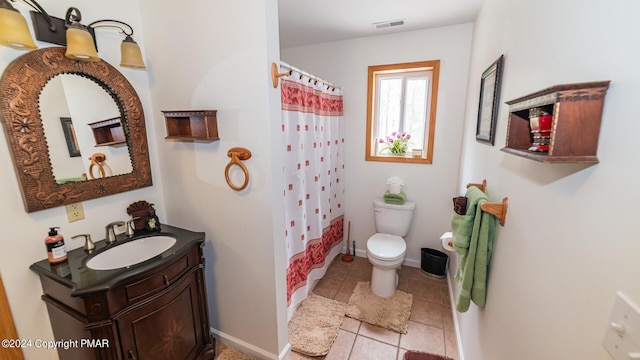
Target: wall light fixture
<point>79,39</point>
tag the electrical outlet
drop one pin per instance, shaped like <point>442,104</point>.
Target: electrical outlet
<point>75,212</point>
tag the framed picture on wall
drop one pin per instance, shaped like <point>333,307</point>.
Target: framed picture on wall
<point>489,97</point>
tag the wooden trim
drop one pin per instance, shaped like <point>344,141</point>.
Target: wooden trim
<point>427,156</point>
<point>7,327</point>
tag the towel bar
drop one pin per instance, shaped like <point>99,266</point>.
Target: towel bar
<point>499,210</point>
<point>482,186</point>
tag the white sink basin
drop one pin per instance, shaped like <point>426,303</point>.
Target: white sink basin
<point>131,253</point>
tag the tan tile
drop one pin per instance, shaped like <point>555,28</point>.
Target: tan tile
<point>369,349</point>
<point>380,334</point>
<point>350,324</point>
<point>338,269</point>
<point>360,272</point>
<point>327,287</point>
<point>423,338</point>
<point>428,290</point>
<point>448,318</point>
<point>297,356</point>
<point>401,353</point>
<point>451,345</point>
<point>427,313</point>
<point>411,272</point>
<point>345,291</point>
<point>403,283</point>
<point>341,348</point>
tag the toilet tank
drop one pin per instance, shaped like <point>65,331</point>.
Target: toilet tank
<point>393,219</point>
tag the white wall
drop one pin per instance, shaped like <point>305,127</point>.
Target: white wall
<point>570,239</point>
<point>430,186</point>
<point>218,57</point>
<point>24,233</point>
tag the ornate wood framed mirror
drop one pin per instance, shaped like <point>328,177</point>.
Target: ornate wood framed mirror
<point>22,110</point>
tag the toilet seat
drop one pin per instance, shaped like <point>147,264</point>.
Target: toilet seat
<point>386,247</point>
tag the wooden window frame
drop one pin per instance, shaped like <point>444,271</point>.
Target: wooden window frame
<point>427,151</point>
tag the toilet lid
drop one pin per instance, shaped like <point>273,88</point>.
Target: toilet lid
<point>386,246</point>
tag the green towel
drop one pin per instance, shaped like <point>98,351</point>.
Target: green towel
<point>396,199</point>
<point>473,236</point>
<point>74,179</point>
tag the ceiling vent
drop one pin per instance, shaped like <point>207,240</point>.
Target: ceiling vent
<point>386,24</point>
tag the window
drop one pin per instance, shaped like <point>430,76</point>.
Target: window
<point>401,112</point>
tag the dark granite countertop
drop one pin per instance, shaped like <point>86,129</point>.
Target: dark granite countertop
<point>74,273</point>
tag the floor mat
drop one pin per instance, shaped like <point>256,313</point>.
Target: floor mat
<point>390,313</point>
<point>315,325</point>
<point>233,354</point>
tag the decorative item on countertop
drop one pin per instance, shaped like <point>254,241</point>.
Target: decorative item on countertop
<point>140,211</point>
<point>152,223</point>
<point>540,123</point>
<point>56,251</point>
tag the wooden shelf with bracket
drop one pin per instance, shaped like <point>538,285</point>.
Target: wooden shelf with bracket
<point>576,111</point>
<point>108,132</point>
<point>192,125</point>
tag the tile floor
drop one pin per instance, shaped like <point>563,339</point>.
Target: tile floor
<point>430,325</point>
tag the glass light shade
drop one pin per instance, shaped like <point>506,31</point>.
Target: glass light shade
<point>130,53</point>
<point>14,31</point>
<point>80,45</point>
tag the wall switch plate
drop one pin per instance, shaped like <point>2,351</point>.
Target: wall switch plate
<point>622,337</point>
<point>75,212</point>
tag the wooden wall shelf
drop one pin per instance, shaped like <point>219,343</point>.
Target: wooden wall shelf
<point>192,125</point>
<point>108,132</point>
<point>576,111</point>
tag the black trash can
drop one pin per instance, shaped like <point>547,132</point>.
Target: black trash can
<point>434,262</point>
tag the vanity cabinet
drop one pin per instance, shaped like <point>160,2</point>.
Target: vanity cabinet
<point>576,111</point>
<point>157,312</point>
<point>194,125</point>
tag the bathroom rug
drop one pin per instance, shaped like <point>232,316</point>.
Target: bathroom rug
<point>315,325</point>
<point>419,355</point>
<point>233,354</point>
<point>390,313</point>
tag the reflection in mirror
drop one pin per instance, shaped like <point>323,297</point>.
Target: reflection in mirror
<point>84,102</point>
<point>22,82</point>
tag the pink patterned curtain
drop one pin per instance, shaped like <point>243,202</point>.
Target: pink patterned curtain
<point>314,164</point>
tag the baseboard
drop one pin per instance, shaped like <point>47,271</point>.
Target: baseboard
<point>456,325</point>
<point>249,349</point>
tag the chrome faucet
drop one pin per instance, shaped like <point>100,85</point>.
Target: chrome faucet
<point>88,244</point>
<point>130,231</point>
<point>110,233</point>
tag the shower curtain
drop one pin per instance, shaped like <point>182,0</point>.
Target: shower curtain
<point>313,166</point>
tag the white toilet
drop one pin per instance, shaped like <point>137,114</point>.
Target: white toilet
<point>386,248</point>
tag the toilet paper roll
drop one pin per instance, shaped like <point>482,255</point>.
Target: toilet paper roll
<point>447,241</point>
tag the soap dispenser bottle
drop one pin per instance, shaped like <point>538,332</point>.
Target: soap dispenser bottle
<point>56,251</point>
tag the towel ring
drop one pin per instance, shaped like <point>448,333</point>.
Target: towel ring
<point>99,161</point>
<point>237,154</point>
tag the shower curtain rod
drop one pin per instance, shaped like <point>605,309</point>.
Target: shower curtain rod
<point>291,67</point>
